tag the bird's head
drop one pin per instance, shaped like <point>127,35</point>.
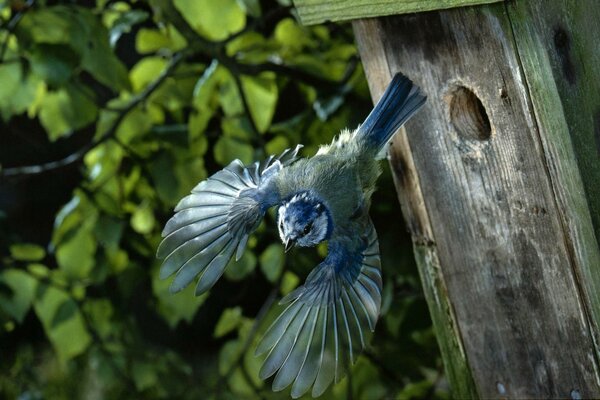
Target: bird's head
<point>304,220</point>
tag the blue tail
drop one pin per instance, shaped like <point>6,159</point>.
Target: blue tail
<point>401,100</point>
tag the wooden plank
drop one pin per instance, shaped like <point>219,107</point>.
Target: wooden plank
<point>557,43</point>
<point>319,11</point>
<point>413,206</point>
<point>498,232</point>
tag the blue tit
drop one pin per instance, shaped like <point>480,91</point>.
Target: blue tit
<point>327,321</point>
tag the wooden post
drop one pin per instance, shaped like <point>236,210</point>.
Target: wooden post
<point>499,182</point>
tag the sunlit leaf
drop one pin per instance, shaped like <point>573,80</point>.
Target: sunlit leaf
<point>152,40</point>
<point>230,319</point>
<point>76,255</point>
<point>175,308</point>
<point>145,71</point>
<point>261,92</point>
<point>142,220</point>
<point>271,261</point>
<point>215,20</point>
<point>70,337</point>
<point>65,111</point>
<point>277,145</point>
<point>291,35</point>
<point>27,252</point>
<point>11,77</point>
<point>289,282</point>
<point>228,149</point>
<point>22,291</point>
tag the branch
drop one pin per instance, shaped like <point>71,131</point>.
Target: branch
<point>11,26</point>
<point>108,134</point>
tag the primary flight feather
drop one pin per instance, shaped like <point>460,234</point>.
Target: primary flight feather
<point>327,321</point>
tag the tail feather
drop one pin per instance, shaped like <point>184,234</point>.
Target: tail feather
<point>401,100</point>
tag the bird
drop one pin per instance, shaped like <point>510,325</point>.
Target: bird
<point>327,321</point>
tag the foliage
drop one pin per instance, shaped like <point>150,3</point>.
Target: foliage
<point>121,108</point>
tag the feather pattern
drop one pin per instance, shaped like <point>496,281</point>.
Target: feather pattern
<point>214,222</point>
<point>400,101</point>
<point>326,322</point>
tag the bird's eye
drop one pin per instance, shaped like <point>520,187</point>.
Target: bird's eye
<point>307,228</point>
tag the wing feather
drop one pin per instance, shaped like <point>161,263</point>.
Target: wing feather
<point>340,304</point>
<point>214,222</point>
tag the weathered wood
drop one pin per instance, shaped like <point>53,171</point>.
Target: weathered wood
<point>417,219</point>
<point>558,47</point>
<point>319,11</point>
<point>494,199</point>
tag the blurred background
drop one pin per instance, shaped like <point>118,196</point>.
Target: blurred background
<point>110,112</point>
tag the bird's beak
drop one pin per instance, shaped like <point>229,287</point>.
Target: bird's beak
<point>289,244</point>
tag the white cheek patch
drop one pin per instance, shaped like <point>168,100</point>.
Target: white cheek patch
<point>280,224</point>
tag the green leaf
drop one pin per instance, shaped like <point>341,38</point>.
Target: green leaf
<point>70,337</point>
<point>289,282</point>
<point>291,35</point>
<point>215,20</point>
<point>271,261</point>
<point>230,319</point>
<point>205,98</point>
<point>66,110</point>
<point>228,149</point>
<point>135,125</point>
<point>65,312</point>
<point>415,390</point>
<point>229,353</point>
<point>277,145</point>
<point>11,77</point>
<point>261,94</point>
<point>80,29</point>
<point>27,252</point>
<point>108,231</point>
<point>100,312</point>
<point>124,23</point>
<point>22,287</point>
<point>145,375</point>
<point>175,308</point>
<point>251,7</point>
<point>53,63</point>
<point>142,220</point>
<point>75,256</point>
<point>236,271</point>
<point>152,40</point>
<point>145,71</point>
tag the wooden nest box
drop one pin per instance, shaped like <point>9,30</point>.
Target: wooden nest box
<point>499,181</point>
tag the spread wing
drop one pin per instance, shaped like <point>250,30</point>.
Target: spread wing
<point>215,220</point>
<point>326,324</point>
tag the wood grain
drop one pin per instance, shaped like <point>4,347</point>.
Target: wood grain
<point>319,11</point>
<point>489,208</point>
<point>415,214</point>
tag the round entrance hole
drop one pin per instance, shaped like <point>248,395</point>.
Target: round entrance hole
<point>468,115</point>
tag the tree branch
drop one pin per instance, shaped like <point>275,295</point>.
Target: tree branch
<point>11,25</point>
